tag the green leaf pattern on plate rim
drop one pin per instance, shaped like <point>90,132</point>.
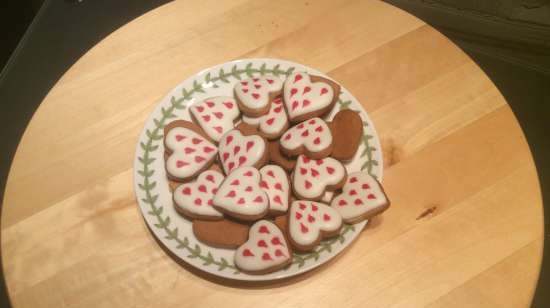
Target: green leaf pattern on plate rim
<point>155,136</point>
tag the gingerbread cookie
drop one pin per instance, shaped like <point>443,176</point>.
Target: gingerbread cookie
<point>362,198</point>
<point>237,150</point>
<point>223,233</point>
<point>307,96</point>
<point>278,158</point>
<point>309,222</point>
<point>247,129</point>
<point>311,137</point>
<point>187,150</point>
<point>311,177</point>
<point>241,196</point>
<point>347,129</point>
<point>215,115</point>
<point>275,184</point>
<point>253,121</point>
<point>273,124</point>
<point>254,95</point>
<point>194,199</point>
<point>265,251</point>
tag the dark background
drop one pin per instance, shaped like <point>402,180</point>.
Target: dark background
<point>508,39</point>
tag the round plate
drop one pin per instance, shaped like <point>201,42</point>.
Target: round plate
<point>152,187</point>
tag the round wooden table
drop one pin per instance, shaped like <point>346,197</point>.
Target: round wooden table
<point>465,227</point>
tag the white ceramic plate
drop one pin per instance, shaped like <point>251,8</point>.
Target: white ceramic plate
<point>152,187</point>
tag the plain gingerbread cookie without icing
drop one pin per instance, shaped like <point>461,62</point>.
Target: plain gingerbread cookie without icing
<point>347,129</point>
<point>223,233</point>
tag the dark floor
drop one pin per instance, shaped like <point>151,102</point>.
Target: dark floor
<point>510,41</point>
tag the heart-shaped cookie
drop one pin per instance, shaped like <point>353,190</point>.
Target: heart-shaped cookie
<point>254,94</point>
<point>237,150</point>
<point>194,199</point>
<point>308,96</point>
<point>265,251</point>
<point>215,115</point>
<point>275,183</point>
<point>311,177</point>
<point>188,152</point>
<point>347,129</point>
<point>241,196</point>
<point>311,137</point>
<point>274,123</point>
<point>309,222</point>
<point>362,198</point>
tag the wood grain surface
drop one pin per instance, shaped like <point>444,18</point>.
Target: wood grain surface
<point>465,228</point>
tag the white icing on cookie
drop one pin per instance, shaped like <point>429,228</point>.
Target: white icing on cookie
<point>216,115</point>
<point>312,176</point>
<point>276,120</point>
<point>241,194</point>
<point>266,248</point>
<point>327,197</point>
<point>237,150</point>
<point>251,120</point>
<point>190,152</point>
<point>273,122</point>
<point>302,96</point>
<point>196,197</point>
<point>313,134</point>
<point>307,219</point>
<point>362,193</point>
<point>254,93</point>
<point>275,184</point>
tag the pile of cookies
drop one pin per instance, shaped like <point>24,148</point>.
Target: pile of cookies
<point>262,171</point>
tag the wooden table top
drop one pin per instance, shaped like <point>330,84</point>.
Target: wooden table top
<point>72,235</point>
